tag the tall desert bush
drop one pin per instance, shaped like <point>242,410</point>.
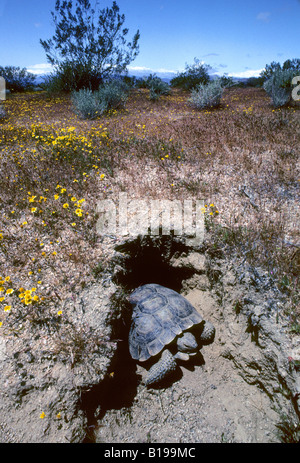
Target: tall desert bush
<point>16,79</point>
<point>89,43</point>
<point>193,75</point>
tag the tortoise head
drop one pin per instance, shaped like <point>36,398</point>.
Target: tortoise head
<point>187,343</point>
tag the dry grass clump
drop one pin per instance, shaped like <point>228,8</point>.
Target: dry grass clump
<point>242,158</point>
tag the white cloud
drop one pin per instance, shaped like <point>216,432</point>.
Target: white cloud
<point>43,68</point>
<point>246,74</point>
<point>139,68</point>
<point>211,54</point>
<point>264,16</point>
<point>166,71</point>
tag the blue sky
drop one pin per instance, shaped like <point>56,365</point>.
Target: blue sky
<point>234,37</point>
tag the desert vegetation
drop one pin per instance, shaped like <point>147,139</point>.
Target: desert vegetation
<point>90,135</point>
<point>241,158</point>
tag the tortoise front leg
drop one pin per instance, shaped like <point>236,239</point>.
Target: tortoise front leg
<point>161,369</point>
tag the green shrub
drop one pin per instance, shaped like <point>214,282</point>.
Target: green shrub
<point>16,79</point>
<point>255,82</point>
<point>111,95</point>
<point>130,81</point>
<point>227,81</point>
<point>52,84</point>
<point>70,76</point>
<point>141,83</point>
<point>289,64</point>
<point>192,76</point>
<point>85,104</point>
<point>157,87</point>
<point>280,96</point>
<point>279,86</point>
<point>207,96</point>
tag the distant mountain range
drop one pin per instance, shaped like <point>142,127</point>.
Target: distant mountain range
<point>144,73</point>
<point>166,76</point>
<point>169,75</point>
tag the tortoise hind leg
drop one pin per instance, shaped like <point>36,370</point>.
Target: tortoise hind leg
<point>161,369</point>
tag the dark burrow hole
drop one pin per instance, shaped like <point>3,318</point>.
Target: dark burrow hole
<point>140,261</point>
<point>147,260</point>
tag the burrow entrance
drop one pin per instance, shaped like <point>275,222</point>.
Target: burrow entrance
<point>136,262</point>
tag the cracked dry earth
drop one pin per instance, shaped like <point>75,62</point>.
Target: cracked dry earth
<point>237,388</point>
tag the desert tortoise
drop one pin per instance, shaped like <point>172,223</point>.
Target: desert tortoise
<point>161,323</point>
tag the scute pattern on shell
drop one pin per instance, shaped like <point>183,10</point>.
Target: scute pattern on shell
<point>159,315</point>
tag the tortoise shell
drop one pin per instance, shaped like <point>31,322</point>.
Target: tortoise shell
<point>159,315</point>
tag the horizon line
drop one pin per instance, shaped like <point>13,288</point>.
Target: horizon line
<point>46,69</point>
